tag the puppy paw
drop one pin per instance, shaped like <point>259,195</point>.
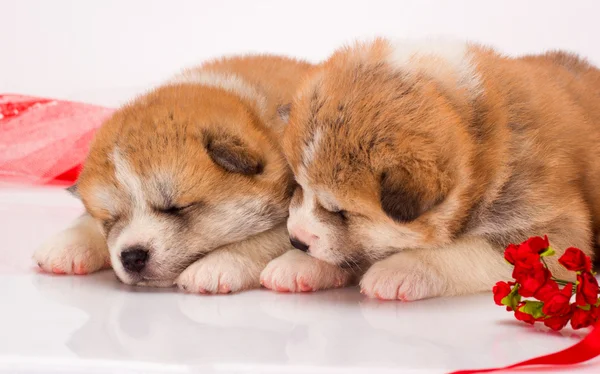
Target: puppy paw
<point>73,251</point>
<point>401,277</point>
<point>295,271</point>
<point>219,274</point>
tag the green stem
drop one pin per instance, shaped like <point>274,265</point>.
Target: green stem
<point>544,262</point>
<point>561,282</point>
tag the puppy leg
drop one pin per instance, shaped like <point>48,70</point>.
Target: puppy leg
<point>236,266</point>
<point>295,271</point>
<point>466,266</point>
<point>80,249</point>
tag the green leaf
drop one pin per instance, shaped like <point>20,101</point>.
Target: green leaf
<point>513,299</point>
<point>548,252</point>
<point>585,307</point>
<point>533,308</point>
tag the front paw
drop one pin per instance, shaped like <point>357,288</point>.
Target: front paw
<point>401,277</point>
<point>295,271</point>
<point>217,274</point>
<point>73,251</point>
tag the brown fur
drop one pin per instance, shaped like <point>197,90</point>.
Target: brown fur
<point>193,171</point>
<point>421,162</point>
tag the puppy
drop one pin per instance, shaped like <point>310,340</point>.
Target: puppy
<point>188,184</point>
<point>427,159</point>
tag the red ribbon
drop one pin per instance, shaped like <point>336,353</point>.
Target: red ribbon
<point>586,349</point>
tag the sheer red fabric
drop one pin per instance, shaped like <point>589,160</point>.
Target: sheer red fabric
<point>45,141</point>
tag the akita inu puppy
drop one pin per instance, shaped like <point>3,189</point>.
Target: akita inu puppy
<point>188,184</point>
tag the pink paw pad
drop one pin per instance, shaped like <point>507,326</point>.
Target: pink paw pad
<point>303,286</point>
<point>58,271</point>
<point>202,290</point>
<point>223,288</point>
<point>79,269</point>
<point>281,289</point>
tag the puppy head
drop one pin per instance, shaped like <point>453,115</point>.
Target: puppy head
<point>379,153</point>
<point>178,173</point>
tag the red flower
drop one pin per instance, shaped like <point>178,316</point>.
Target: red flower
<point>501,290</point>
<point>582,318</point>
<point>557,322</point>
<point>587,289</point>
<point>521,254</point>
<point>511,253</point>
<point>536,244</point>
<point>527,318</point>
<point>531,277</point>
<point>575,260</point>
<point>546,291</point>
<point>558,303</point>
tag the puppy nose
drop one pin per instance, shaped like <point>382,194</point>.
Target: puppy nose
<point>134,258</point>
<point>299,245</point>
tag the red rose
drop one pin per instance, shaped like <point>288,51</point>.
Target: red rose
<point>587,289</point>
<point>520,254</point>
<point>511,253</point>
<point>546,291</point>
<point>557,322</point>
<point>531,279</point>
<point>527,318</point>
<point>501,290</point>
<point>582,318</point>
<point>536,244</point>
<point>575,260</point>
<point>558,304</point>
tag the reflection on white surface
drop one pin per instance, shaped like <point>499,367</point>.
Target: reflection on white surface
<point>96,324</point>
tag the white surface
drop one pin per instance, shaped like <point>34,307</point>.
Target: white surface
<point>94,324</point>
<point>81,49</point>
<point>103,52</point>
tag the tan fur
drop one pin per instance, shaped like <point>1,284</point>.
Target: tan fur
<point>206,143</point>
<point>441,159</point>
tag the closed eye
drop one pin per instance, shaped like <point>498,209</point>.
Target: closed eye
<point>176,209</point>
<point>343,214</point>
<point>108,224</point>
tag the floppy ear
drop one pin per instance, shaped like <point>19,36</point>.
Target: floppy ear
<point>74,191</point>
<point>403,198</point>
<point>283,111</point>
<point>230,153</point>
<point>399,202</point>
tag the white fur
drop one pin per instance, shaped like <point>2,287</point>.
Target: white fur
<point>302,221</point>
<point>462,267</point>
<point>127,177</point>
<point>104,197</point>
<point>236,266</point>
<point>295,271</point>
<point>447,61</point>
<point>229,82</point>
<point>80,249</point>
<point>308,153</point>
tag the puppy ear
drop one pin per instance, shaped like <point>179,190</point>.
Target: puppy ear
<point>230,153</point>
<point>283,111</point>
<point>399,202</point>
<point>405,196</point>
<point>74,191</point>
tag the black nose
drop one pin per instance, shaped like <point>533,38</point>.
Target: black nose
<point>134,258</point>
<point>299,245</point>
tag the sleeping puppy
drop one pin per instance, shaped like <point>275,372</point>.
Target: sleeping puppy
<point>188,184</point>
<point>427,159</point>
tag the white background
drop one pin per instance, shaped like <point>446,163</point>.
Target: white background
<point>103,51</point>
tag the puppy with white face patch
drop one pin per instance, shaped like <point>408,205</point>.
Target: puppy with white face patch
<point>426,160</point>
<point>188,183</point>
